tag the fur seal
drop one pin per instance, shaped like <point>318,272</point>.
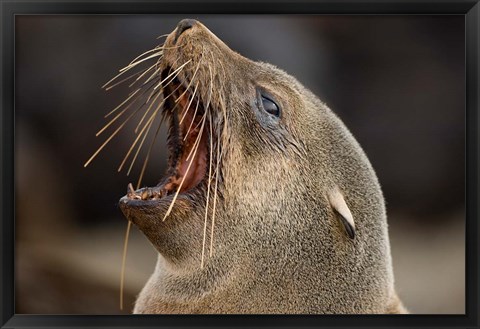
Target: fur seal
<point>269,204</point>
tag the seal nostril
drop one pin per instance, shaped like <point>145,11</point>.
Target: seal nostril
<point>182,26</point>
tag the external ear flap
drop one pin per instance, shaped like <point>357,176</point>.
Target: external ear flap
<point>339,205</point>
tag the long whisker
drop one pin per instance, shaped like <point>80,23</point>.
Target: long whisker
<point>124,260</point>
<point>154,77</point>
<point>127,68</point>
<point>142,75</point>
<point>173,92</point>
<point>173,47</point>
<point>113,120</point>
<point>140,178</point>
<point>152,84</point>
<point>113,79</point>
<point>149,108</point>
<point>143,91</point>
<point>210,92</point>
<point>123,103</point>
<point>120,114</point>
<point>221,141</point>
<point>163,101</point>
<point>196,108</point>
<point>208,191</point>
<point>129,224</point>
<point>223,69</point>
<point>159,93</point>
<point>163,35</point>
<point>143,140</point>
<point>121,81</point>
<point>109,139</point>
<point>197,140</point>
<point>133,64</point>
<point>190,83</point>
<point>147,124</point>
<point>177,71</point>
<point>107,86</point>
<point>154,74</point>
<point>139,147</point>
<point>188,106</point>
<point>157,52</point>
<point>215,195</point>
<point>153,91</point>
<point>158,49</point>
<point>186,172</point>
<point>191,122</point>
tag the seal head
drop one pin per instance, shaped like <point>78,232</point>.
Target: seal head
<point>269,204</point>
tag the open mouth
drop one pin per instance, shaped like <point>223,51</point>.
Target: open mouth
<point>187,143</point>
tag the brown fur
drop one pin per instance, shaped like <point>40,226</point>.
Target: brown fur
<point>278,244</point>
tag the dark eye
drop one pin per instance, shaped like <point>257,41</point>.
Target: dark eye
<point>270,106</point>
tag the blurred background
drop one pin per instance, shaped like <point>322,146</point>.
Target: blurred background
<point>396,81</point>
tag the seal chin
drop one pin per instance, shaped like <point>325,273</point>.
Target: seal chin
<point>141,212</point>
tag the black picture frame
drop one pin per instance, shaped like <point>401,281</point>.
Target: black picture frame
<point>9,8</point>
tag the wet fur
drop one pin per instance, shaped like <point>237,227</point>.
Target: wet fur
<point>278,245</point>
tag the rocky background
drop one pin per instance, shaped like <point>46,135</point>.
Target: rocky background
<point>396,81</point>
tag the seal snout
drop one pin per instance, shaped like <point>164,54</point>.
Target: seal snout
<point>182,26</point>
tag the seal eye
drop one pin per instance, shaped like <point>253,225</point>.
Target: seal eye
<point>270,106</point>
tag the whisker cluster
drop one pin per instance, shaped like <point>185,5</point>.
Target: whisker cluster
<point>150,84</point>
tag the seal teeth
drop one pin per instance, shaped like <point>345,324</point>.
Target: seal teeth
<point>131,194</point>
<point>145,194</point>
<point>130,191</point>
